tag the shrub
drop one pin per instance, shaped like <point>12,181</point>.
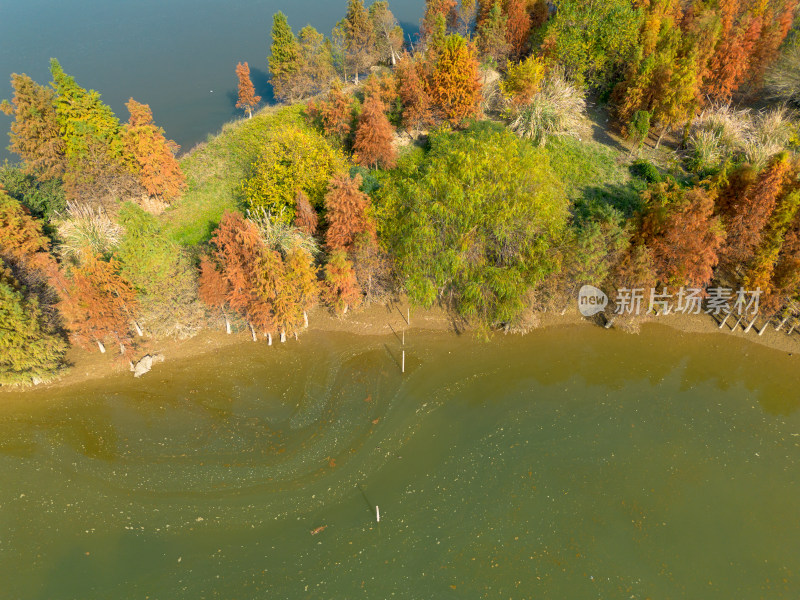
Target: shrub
<point>646,170</point>
<point>292,160</point>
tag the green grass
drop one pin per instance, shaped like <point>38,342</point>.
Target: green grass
<point>595,176</point>
<point>215,171</point>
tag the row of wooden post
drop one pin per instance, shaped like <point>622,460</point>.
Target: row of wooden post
<point>746,327</point>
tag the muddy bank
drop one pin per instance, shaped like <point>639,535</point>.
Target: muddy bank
<point>375,321</point>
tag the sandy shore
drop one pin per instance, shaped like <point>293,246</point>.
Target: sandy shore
<point>375,320</point>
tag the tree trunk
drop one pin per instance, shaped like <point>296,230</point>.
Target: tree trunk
<point>305,319</point>
<point>344,312</point>
<point>121,348</point>
<point>227,324</point>
<point>660,135</point>
<point>139,331</point>
<point>253,331</point>
<point>269,339</point>
<point>283,336</point>
<point>102,348</point>
<point>249,113</point>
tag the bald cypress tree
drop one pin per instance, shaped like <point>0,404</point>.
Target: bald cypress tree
<point>150,155</point>
<point>284,58</point>
<point>360,49</point>
<point>35,133</point>
<point>30,351</point>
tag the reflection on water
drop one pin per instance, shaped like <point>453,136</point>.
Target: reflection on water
<point>570,463</point>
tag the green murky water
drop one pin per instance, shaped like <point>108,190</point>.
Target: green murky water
<point>570,463</point>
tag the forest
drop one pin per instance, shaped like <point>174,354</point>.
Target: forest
<point>492,163</point>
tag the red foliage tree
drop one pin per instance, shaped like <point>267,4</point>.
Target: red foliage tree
<point>682,233</point>
<point>150,155</point>
<point>346,206</point>
<point>335,113</point>
<point>374,134</point>
<point>413,92</point>
<point>728,67</point>
<point>98,303</point>
<point>247,92</point>
<point>438,13</point>
<point>214,288</point>
<point>750,214</point>
<point>519,26</point>
<point>305,217</point>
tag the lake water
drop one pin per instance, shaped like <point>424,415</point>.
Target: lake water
<point>178,56</point>
<point>570,463</point>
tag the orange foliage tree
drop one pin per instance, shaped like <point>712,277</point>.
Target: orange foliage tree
<point>413,92</point>
<point>346,207</point>
<point>35,134</point>
<point>305,217</point>
<point>214,288</point>
<point>254,280</point>
<point>247,92</point>
<point>340,285</point>
<point>98,304</point>
<point>519,26</point>
<point>455,86</point>
<point>751,212</point>
<point>335,113</point>
<point>150,155</point>
<point>373,145</point>
<point>682,233</point>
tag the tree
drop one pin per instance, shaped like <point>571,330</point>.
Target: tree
<point>518,26</point>
<point>340,285</point>
<point>35,134</point>
<point>305,217</point>
<point>315,71</point>
<point>412,88</point>
<point>346,207</point>
<point>284,58</point>
<point>253,279</point>
<point>388,33</point>
<point>213,289</point>
<point>292,159</point>
<point>729,64</point>
<point>302,275</point>
<point>466,230</point>
<point>98,303</point>
<point>151,155</point>
<point>682,234</point>
<point>523,80</point>
<point>44,198</point>
<point>593,40</point>
<point>374,135</point>
<point>466,13</point>
<point>751,212</point>
<point>493,36</point>
<point>30,351</point>
<point>761,272</point>
<point>25,252</point>
<point>439,16</point>
<point>455,86</point>
<point>335,113</point>
<point>91,134</point>
<point>359,38</point>
<point>247,99</point>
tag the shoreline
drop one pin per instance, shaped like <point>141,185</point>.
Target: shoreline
<point>375,320</point>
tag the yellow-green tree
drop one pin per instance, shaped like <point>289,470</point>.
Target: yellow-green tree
<point>455,86</point>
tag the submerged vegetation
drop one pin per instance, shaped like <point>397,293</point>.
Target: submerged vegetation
<point>482,169</point>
